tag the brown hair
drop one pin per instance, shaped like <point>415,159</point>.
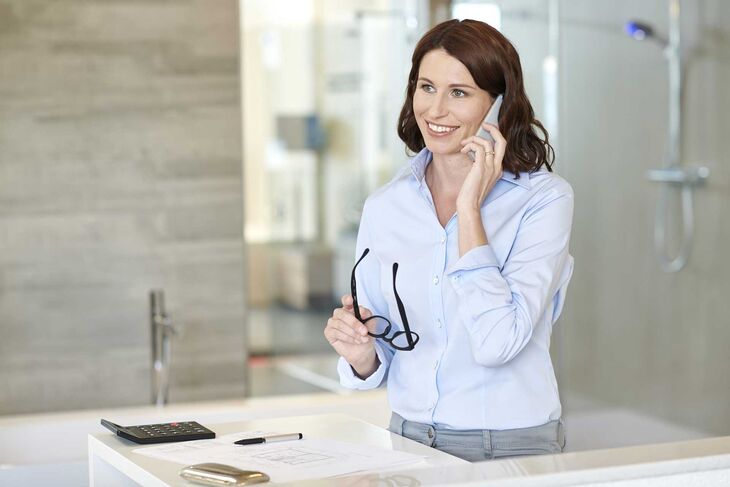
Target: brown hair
<point>495,66</point>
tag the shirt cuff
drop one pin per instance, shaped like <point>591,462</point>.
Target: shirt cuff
<point>477,258</point>
<point>351,381</point>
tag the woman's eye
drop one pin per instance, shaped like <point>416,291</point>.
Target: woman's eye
<point>458,93</point>
<point>427,88</point>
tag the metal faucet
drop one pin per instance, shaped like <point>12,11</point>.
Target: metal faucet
<point>162,332</point>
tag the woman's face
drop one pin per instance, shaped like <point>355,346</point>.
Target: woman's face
<point>448,104</point>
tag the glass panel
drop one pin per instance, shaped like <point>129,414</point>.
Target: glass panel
<point>645,350</point>
<point>323,84</point>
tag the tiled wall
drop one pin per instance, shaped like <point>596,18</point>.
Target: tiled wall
<point>120,171</point>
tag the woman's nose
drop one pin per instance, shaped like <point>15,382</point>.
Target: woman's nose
<point>438,107</point>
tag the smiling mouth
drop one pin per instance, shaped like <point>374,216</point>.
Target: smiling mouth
<point>441,129</point>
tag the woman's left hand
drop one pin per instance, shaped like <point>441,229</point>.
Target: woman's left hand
<point>485,170</point>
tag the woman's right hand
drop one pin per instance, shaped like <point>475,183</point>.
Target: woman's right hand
<point>349,337</point>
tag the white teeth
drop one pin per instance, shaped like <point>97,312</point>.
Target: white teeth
<point>441,128</point>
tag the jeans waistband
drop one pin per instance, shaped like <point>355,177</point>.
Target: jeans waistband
<point>549,436</point>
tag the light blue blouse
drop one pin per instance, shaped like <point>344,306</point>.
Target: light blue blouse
<point>484,319</point>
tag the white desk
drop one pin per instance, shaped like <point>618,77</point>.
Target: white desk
<point>700,462</point>
<point>112,463</point>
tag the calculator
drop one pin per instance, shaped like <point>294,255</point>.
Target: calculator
<point>161,433</point>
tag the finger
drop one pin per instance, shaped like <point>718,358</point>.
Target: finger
<point>365,313</point>
<point>330,334</point>
<point>347,301</point>
<point>478,149</point>
<point>337,335</point>
<point>494,153</point>
<point>500,143</point>
<point>487,144</point>
<point>337,324</point>
<point>500,147</point>
<point>343,331</point>
<point>351,320</point>
<point>333,335</point>
<point>372,326</point>
<point>493,131</point>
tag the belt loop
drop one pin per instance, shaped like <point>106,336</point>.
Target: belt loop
<point>396,424</point>
<point>487,439</point>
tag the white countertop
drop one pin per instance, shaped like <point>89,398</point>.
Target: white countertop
<point>22,440</point>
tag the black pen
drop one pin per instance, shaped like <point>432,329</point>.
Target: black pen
<point>269,439</point>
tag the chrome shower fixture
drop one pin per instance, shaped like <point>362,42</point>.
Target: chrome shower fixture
<point>674,175</point>
<point>642,31</point>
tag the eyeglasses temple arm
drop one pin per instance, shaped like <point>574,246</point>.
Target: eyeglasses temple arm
<point>401,308</point>
<point>353,286</point>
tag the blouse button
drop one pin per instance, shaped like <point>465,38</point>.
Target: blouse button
<point>435,280</point>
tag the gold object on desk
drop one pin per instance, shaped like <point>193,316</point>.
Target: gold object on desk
<point>219,474</point>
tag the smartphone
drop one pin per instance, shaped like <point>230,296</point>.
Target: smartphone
<point>493,118</point>
<point>219,474</point>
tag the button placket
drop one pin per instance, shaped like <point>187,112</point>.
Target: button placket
<point>436,293</point>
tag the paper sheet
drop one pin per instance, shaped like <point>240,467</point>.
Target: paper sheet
<point>284,461</point>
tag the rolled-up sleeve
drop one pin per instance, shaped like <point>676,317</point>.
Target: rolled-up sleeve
<point>351,381</point>
<point>370,297</point>
<point>501,306</point>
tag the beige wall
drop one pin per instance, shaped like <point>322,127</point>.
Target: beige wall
<point>635,336</point>
<point>119,172</point>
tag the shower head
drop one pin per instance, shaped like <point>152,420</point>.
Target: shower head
<point>641,31</point>
<point>638,30</point>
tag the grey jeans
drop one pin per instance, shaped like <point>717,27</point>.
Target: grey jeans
<point>478,445</point>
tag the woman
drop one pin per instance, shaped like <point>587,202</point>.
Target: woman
<point>467,260</point>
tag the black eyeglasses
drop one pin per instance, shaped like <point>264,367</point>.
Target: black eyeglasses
<point>401,340</point>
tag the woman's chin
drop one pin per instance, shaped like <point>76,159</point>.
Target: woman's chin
<point>441,149</point>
